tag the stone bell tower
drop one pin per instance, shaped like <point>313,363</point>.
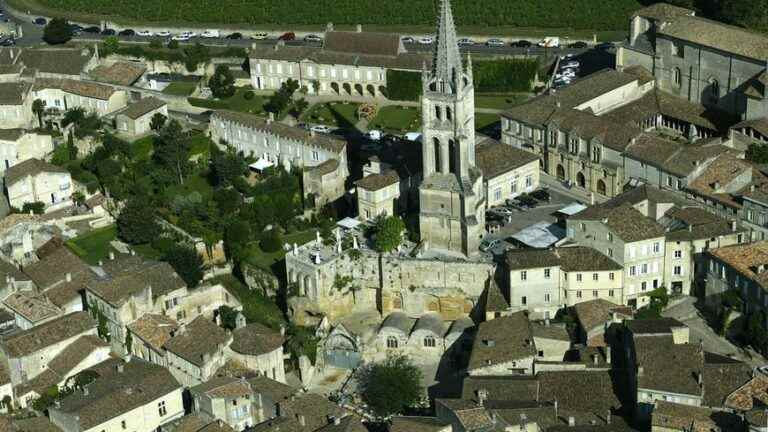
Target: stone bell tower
<point>451,201</point>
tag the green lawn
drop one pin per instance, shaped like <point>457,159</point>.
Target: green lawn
<point>499,101</point>
<point>265,260</point>
<point>93,245</point>
<point>337,114</point>
<point>483,120</point>
<point>237,102</point>
<point>142,148</point>
<point>397,119</point>
<point>180,88</point>
<point>256,307</point>
<point>201,145</point>
<point>193,183</point>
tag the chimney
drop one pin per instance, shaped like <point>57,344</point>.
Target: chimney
<point>85,390</point>
<point>301,419</point>
<point>690,228</point>
<point>752,187</point>
<point>556,417</point>
<point>101,263</point>
<point>270,117</point>
<point>359,28</point>
<point>608,354</point>
<point>120,368</point>
<point>68,277</point>
<point>571,421</point>
<point>482,396</point>
<point>640,371</point>
<point>218,320</point>
<point>111,256</point>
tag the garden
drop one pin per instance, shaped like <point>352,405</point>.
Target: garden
<point>244,100</point>
<point>397,119</point>
<point>336,114</point>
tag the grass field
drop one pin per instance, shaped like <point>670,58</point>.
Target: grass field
<point>180,88</point>
<point>93,245</point>
<point>397,119</point>
<point>483,120</point>
<point>256,307</point>
<point>237,102</point>
<point>265,260</point>
<point>336,114</point>
<point>141,149</point>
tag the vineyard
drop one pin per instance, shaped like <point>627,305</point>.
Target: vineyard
<point>575,14</point>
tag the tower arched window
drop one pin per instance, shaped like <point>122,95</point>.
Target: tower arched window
<point>436,149</point>
<point>452,156</point>
<point>391,342</point>
<point>438,113</point>
<point>429,341</point>
<point>448,114</point>
<point>677,76</point>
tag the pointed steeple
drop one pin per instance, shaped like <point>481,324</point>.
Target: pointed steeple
<point>447,62</point>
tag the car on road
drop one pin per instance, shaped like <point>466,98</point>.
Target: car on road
<point>525,201</point>
<point>427,40</point>
<point>40,21</point>
<point>570,64</point>
<point>487,244</point>
<point>408,40</point>
<point>312,38</point>
<point>578,45</point>
<point>75,29</point>
<point>541,195</point>
<point>7,42</point>
<point>501,211</point>
<point>127,32</point>
<point>235,36</point>
<point>568,73</point>
<point>550,42</point>
<point>465,42</point>
<point>494,43</point>
<point>163,33</point>
<point>191,34</point>
<point>108,32</point>
<point>521,44</point>
<point>144,33</point>
<point>259,36</point>
<point>210,34</point>
<point>320,129</point>
<point>92,29</point>
<point>287,36</point>
<point>181,37</point>
<point>413,136</point>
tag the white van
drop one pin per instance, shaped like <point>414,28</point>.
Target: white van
<point>413,136</point>
<point>374,134</point>
<point>550,42</point>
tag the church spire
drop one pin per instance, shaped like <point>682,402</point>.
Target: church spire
<point>447,62</point>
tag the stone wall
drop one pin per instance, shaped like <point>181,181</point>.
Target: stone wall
<point>260,280</point>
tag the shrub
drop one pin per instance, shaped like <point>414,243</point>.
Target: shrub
<point>507,75</point>
<point>248,95</point>
<point>271,241</point>
<point>403,85</point>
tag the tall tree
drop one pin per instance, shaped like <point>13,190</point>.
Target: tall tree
<point>172,149</point>
<point>157,122</point>
<point>389,233</point>
<point>57,32</point>
<point>38,107</point>
<point>136,223</point>
<point>390,386</point>
<point>222,83</point>
<point>187,263</point>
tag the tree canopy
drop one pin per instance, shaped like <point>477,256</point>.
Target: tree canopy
<point>136,223</point>
<point>57,31</point>
<point>390,386</point>
<point>187,263</point>
<point>172,149</point>
<point>222,83</point>
<point>389,233</point>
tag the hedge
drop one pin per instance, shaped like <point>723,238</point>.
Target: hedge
<point>403,85</point>
<point>508,75</point>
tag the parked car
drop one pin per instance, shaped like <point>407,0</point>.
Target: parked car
<point>163,33</point>
<point>526,201</point>
<point>465,42</point>
<point>320,129</point>
<point>235,36</point>
<point>92,29</point>
<point>210,34</point>
<point>287,36</point>
<point>127,32</point>
<point>502,211</point>
<point>312,38</point>
<point>75,29</point>
<point>259,36</point>
<point>568,73</point>
<point>570,64</point>
<point>374,135</point>
<point>413,136</point>
<point>408,40</point>
<point>604,46</point>
<point>40,21</point>
<point>487,244</point>
<point>191,34</point>
<point>7,42</point>
<point>144,33</point>
<point>540,195</point>
<point>578,45</point>
<point>495,43</point>
<point>511,204</point>
<point>181,37</point>
<point>108,32</point>
<point>550,42</point>
<point>521,44</point>
<point>427,40</point>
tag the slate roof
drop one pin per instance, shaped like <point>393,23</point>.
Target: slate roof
<point>120,73</point>
<point>570,259</point>
<point>154,329</point>
<point>114,393</point>
<point>36,338</point>
<point>668,367</point>
<point>746,259</point>
<point>625,221</point>
<point>33,308</point>
<point>81,88</point>
<point>494,158</point>
<point>662,11</point>
<point>510,339</point>
<point>325,141</point>
<point>255,339</point>
<point>714,34</point>
<point>30,167</point>
<point>142,107</point>
<point>200,337</point>
<point>64,61</point>
<point>366,43</point>
<point>568,387</point>
<point>595,313</point>
<point>399,321</point>
<point>656,326</point>
<point>118,289</point>
<point>416,424</point>
<point>374,182</point>
<point>507,388</point>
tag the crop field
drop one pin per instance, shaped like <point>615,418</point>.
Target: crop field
<point>574,14</point>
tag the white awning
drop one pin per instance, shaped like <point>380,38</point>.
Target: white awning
<point>261,164</point>
<point>572,209</point>
<point>348,223</point>
<point>539,235</point>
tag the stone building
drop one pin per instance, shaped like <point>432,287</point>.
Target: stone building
<point>348,63</point>
<point>507,171</point>
<point>323,157</point>
<point>63,94</point>
<point>503,346</point>
<point>18,145</point>
<point>225,399</point>
<point>594,317</point>
<point>378,192</point>
<point>150,333</point>
<point>739,269</point>
<point>424,337</point>
<point>15,105</point>
<point>259,349</point>
<point>135,119</point>
<point>196,351</point>
<point>34,181</point>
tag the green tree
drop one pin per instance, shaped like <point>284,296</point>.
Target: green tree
<point>8,403</point>
<point>173,44</point>
<point>236,238</point>
<point>36,207</point>
<point>390,386</point>
<point>128,341</point>
<point>46,399</point>
<point>38,107</point>
<point>136,223</point>
<point>187,263</point>
<point>156,43</point>
<point>299,107</point>
<point>195,55</point>
<point>222,83</point>
<point>757,335</point>
<point>228,317</point>
<point>757,153</point>
<point>102,328</point>
<point>272,241</point>
<point>389,233</point>
<point>226,166</point>
<point>57,32</point>
<point>172,149</point>
<point>111,45</point>
<point>157,122</point>
<point>281,99</point>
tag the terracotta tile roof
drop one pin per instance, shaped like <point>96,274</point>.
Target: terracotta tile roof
<point>493,300</point>
<point>507,388</point>
<point>374,182</point>
<point>120,73</point>
<point>56,260</point>
<point>64,61</point>
<point>275,390</point>
<point>721,380</point>
<point>494,158</point>
<point>567,388</point>
<point>747,259</point>
<point>716,180</point>
<point>74,353</point>
<point>30,167</point>
<point>34,424</point>
<point>753,392</point>
<point>202,337</point>
<point>114,392</point>
<point>142,107</point>
<point>64,292</point>
<point>694,223</point>
<point>350,423</point>
<point>417,424</point>
<point>502,340</point>
<point>668,367</point>
<point>154,329</point>
<point>160,276</point>
<point>663,11</point>
<point>408,61</point>
<point>255,339</point>
<point>324,168</point>
<point>33,308</point>
<point>276,128</point>
<point>714,34</point>
<point>624,220</point>
<point>315,408</point>
<point>760,125</point>
<point>223,387</point>
<point>366,43</point>
<point>196,423</point>
<point>32,340</point>
<point>576,258</point>
<point>595,313</point>
<point>81,88</point>
<point>674,416</point>
<point>11,134</point>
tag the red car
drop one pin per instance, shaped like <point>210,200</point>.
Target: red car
<point>288,36</point>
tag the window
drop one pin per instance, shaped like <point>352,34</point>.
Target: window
<point>595,276</point>
<point>161,409</point>
<point>578,294</point>
<point>541,353</point>
<point>643,285</point>
<point>429,341</point>
<point>315,155</point>
<point>609,236</point>
<point>610,276</point>
<point>523,275</point>
<point>609,252</point>
<point>547,273</point>
<point>578,277</point>
<point>656,247</point>
<point>583,226</point>
<point>678,254</point>
<point>528,181</point>
<point>497,194</point>
<point>523,300</point>
<point>547,298</point>
<point>391,342</point>
<point>655,283</point>
<point>669,181</point>
<point>644,269</point>
<point>678,50</point>
<point>513,187</point>
<point>631,251</point>
<point>595,154</point>
<point>594,293</point>
<point>632,271</point>
<point>610,292</point>
<point>677,77</point>
<point>123,424</point>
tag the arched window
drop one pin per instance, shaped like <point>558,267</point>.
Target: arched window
<point>429,341</point>
<point>714,90</point>
<point>448,114</point>
<point>452,157</point>
<point>438,163</point>
<point>391,342</point>
<point>677,77</point>
<point>438,113</point>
